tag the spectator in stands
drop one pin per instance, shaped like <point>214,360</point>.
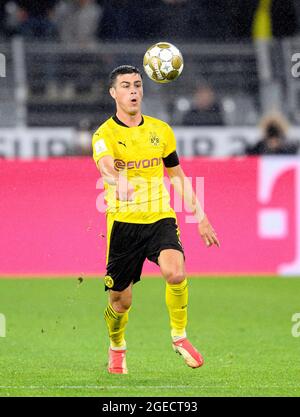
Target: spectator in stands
<point>164,19</point>
<point>211,21</point>
<point>263,19</point>
<point>274,18</point>
<point>82,139</point>
<point>206,110</point>
<point>297,10</point>
<point>192,19</point>
<point>2,18</point>
<point>35,20</point>
<point>120,20</point>
<point>78,21</point>
<point>284,18</point>
<point>175,17</point>
<point>274,141</point>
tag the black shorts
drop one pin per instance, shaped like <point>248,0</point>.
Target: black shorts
<point>129,246</point>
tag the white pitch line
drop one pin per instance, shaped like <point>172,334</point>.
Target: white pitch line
<point>34,387</point>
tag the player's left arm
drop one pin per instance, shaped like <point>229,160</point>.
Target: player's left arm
<point>184,188</point>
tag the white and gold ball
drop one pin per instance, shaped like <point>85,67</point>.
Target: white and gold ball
<point>163,62</point>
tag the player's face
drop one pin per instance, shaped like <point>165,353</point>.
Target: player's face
<point>128,93</point>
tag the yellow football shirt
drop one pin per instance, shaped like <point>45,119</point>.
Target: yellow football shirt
<point>137,153</point>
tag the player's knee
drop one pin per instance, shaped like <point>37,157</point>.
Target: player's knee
<point>121,306</point>
<point>174,277</point>
<point>121,302</point>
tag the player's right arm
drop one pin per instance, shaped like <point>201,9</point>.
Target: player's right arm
<point>103,156</point>
<point>124,189</point>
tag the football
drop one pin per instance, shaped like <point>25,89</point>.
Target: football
<point>163,62</point>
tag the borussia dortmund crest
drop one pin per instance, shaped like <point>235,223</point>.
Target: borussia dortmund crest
<point>109,282</point>
<point>154,139</point>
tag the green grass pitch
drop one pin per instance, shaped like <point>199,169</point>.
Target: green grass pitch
<point>56,340</point>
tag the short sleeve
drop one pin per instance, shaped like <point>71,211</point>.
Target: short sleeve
<point>170,145</point>
<point>101,145</point>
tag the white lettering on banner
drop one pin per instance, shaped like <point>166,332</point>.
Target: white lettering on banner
<point>270,170</point>
<point>36,142</point>
<point>220,141</point>
<point>296,67</point>
<point>191,141</point>
<point>272,223</point>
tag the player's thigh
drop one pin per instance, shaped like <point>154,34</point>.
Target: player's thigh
<point>121,300</point>
<point>172,266</point>
<point>126,255</point>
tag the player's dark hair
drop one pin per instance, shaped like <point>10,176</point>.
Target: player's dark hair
<point>122,69</point>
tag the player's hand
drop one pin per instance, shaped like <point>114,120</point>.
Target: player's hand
<point>207,233</point>
<point>125,190</point>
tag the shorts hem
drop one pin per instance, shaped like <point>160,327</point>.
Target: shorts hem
<point>163,247</point>
<point>134,281</point>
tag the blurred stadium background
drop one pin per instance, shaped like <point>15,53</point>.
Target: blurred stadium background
<point>236,114</point>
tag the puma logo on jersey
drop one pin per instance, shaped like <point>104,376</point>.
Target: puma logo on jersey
<point>122,143</point>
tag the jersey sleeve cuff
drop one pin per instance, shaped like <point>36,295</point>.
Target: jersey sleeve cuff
<point>171,160</point>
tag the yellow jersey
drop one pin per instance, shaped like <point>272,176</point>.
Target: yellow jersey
<point>138,154</point>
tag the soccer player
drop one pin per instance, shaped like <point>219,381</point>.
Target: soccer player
<point>131,150</point>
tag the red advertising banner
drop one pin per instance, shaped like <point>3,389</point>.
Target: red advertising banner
<point>50,222</point>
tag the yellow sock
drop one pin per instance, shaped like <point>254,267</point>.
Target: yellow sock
<point>177,300</point>
<point>116,323</point>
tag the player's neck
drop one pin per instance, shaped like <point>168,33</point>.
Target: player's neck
<point>129,120</point>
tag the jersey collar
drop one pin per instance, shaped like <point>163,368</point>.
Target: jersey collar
<point>117,120</point>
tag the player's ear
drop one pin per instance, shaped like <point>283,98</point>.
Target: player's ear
<point>112,92</point>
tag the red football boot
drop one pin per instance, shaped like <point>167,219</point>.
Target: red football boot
<point>117,361</point>
<point>191,355</point>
